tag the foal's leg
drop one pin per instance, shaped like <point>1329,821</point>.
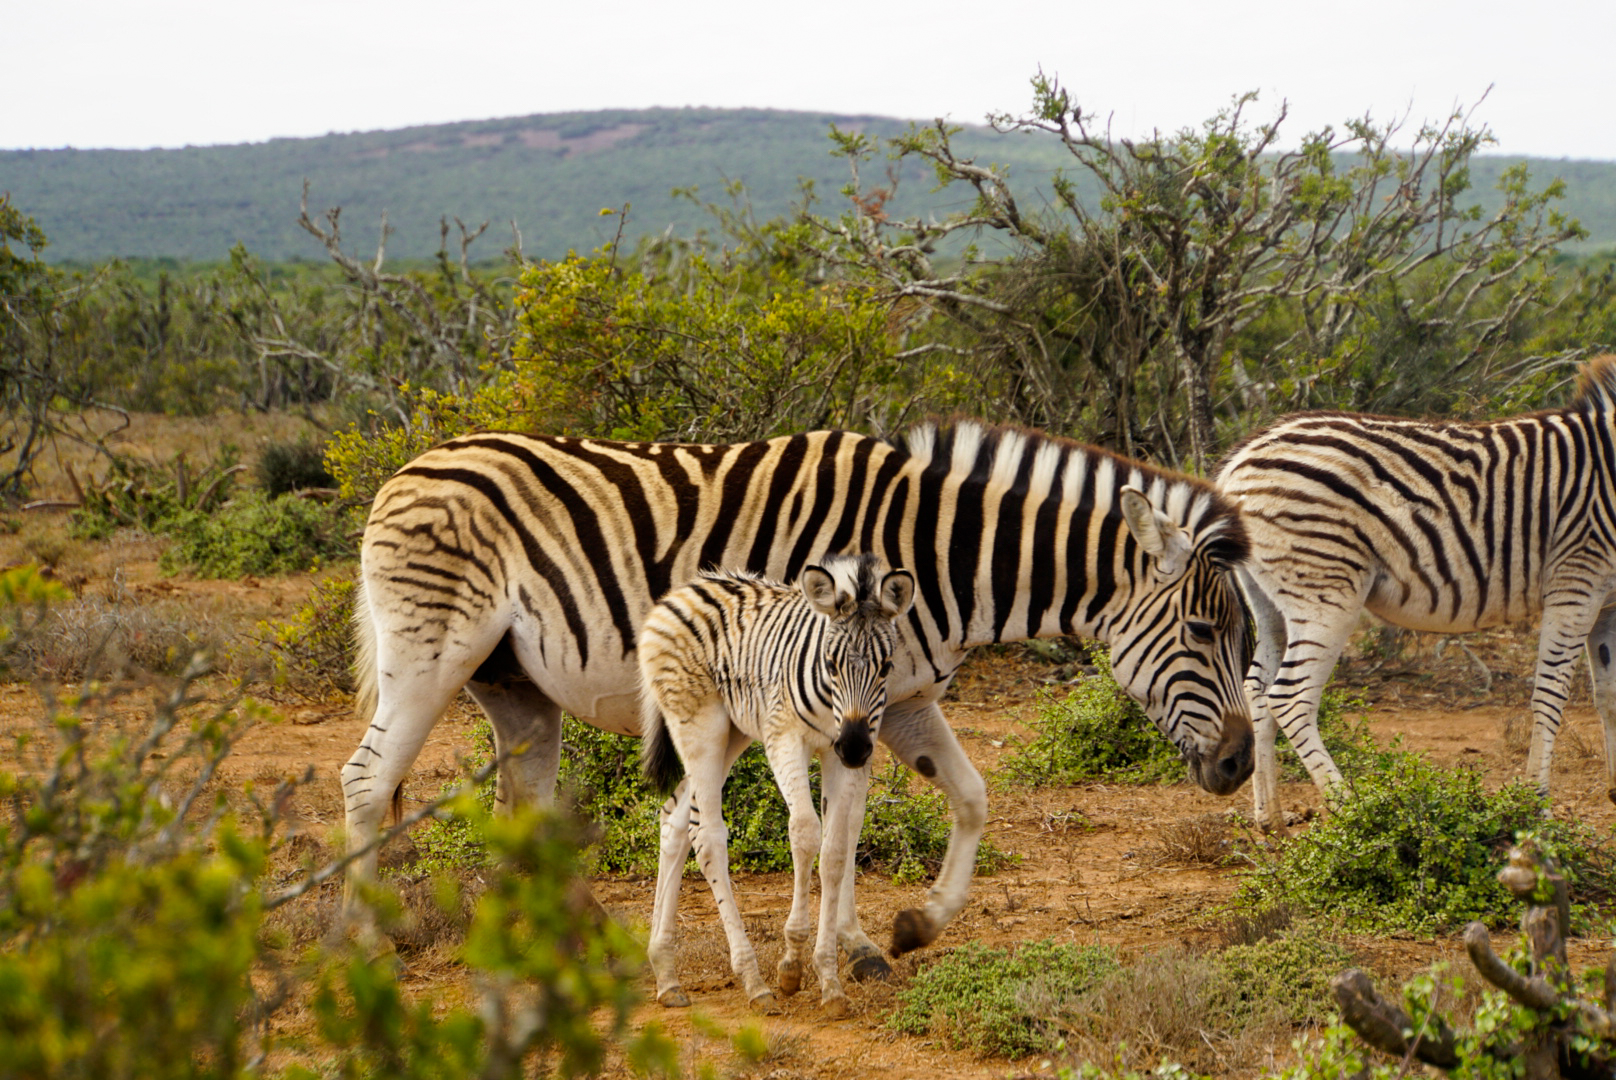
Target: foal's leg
<point>702,745</point>
<point>788,759</point>
<point>1264,666</point>
<point>864,954</point>
<point>678,835</point>
<point>843,788</point>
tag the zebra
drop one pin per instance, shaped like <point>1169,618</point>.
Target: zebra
<point>520,567</point>
<point>1432,525</point>
<point>734,657</point>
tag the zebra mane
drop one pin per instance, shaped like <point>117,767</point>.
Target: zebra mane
<point>1596,385</point>
<point>1023,459</point>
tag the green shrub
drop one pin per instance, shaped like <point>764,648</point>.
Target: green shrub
<point>1412,846</point>
<point>1290,975</point>
<point>972,997</point>
<point>256,534</point>
<point>314,648</point>
<point>285,467</point>
<point>142,495</point>
<point>1092,732</point>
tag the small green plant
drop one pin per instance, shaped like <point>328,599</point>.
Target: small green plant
<point>1091,732</point>
<point>256,534</point>
<point>314,648</point>
<point>972,997</point>
<point>1290,975</point>
<point>285,467</point>
<point>1412,846</point>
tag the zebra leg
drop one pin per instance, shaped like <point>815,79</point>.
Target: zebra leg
<point>527,741</point>
<point>1602,666</point>
<point>917,733</point>
<point>678,834</point>
<point>864,954</point>
<point>411,695</point>
<point>788,759</point>
<point>662,950</point>
<point>1315,640</point>
<point>705,768</point>
<point>844,789</point>
<point>1265,665</point>
<point>1569,619</point>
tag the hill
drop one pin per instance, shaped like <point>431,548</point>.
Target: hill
<point>550,173</point>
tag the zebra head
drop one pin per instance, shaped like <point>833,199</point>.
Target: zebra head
<point>1184,648</point>
<point>861,599</point>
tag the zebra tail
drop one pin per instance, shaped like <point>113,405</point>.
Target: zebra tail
<point>364,667</point>
<point>659,759</point>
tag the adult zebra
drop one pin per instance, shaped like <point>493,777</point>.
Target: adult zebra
<point>1432,525</point>
<point>520,567</point>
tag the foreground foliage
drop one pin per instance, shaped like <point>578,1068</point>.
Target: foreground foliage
<point>1534,1022</point>
<point>1412,846</point>
<point>133,896</point>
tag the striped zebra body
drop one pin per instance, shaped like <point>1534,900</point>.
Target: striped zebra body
<point>1431,525</point>
<point>801,669</point>
<point>521,567</point>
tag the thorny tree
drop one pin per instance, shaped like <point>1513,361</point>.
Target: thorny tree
<point>1114,311</point>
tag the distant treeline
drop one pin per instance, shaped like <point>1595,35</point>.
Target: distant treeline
<point>549,174</point>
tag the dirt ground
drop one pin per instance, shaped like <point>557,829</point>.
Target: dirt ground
<point>1091,865</point>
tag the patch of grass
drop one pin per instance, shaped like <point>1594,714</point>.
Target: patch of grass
<point>107,636</point>
<point>1217,1011</point>
<point>313,650</point>
<point>973,997</point>
<point>1415,847</point>
<point>1091,732</point>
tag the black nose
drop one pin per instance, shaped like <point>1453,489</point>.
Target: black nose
<point>854,745</point>
<point>1226,768</point>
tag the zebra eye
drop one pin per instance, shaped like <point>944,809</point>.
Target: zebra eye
<point>886,668</point>
<point>1200,631</point>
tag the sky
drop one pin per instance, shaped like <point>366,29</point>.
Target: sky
<point>144,73</point>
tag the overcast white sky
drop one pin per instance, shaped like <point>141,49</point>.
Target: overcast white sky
<point>140,73</point>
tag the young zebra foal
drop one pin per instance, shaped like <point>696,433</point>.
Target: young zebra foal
<point>733,657</point>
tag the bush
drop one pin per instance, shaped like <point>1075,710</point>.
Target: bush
<point>972,997</point>
<point>285,467</point>
<point>256,534</point>
<point>1412,846</point>
<point>142,495</point>
<point>1093,732</point>
<point>314,648</point>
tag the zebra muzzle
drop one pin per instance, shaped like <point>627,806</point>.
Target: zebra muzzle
<point>854,743</point>
<point>1228,766</point>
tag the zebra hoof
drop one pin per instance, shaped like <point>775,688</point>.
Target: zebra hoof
<point>790,975</point>
<point>871,966</point>
<point>673,998</point>
<point>835,1008</point>
<point>911,930</point>
<point>766,1004</point>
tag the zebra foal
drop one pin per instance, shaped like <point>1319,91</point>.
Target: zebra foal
<point>731,658</point>
<point>1432,525</point>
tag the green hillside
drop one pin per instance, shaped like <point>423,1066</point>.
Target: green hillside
<point>551,174</point>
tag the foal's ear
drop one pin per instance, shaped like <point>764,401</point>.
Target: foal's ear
<point>820,590</point>
<point>1158,535</point>
<point>897,593</point>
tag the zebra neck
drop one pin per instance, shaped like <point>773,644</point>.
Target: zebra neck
<point>1026,539</point>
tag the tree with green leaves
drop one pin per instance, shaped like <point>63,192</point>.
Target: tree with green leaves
<point>1127,306</point>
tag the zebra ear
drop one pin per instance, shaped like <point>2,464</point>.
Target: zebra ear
<point>820,589</point>
<point>1157,534</point>
<point>897,593</point>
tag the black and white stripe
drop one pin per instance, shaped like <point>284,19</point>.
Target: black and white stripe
<point>1432,525</point>
<point>803,669</point>
<point>520,566</point>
